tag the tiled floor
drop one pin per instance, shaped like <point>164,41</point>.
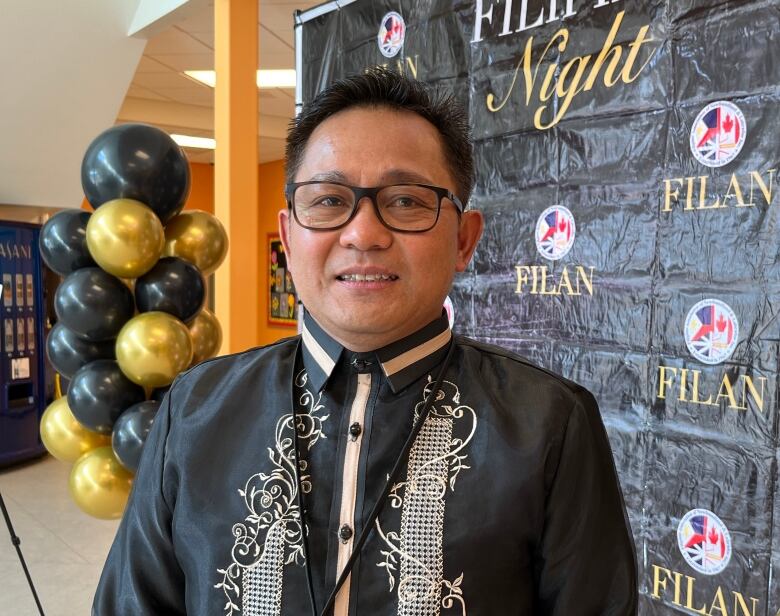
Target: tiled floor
<point>63,547</point>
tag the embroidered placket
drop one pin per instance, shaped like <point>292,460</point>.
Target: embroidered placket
<point>269,538</point>
<point>263,582</point>
<point>349,488</point>
<point>416,550</point>
<point>422,521</point>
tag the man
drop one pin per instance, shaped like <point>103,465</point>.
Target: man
<point>464,479</point>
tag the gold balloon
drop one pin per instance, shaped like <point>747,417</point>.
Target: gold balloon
<point>152,348</point>
<point>125,238</point>
<point>99,484</point>
<point>64,437</point>
<point>197,237</point>
<point>206,334</point>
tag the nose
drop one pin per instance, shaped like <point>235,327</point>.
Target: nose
<point>365,231</point>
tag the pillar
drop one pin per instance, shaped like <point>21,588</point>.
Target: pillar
<point>237,292</point>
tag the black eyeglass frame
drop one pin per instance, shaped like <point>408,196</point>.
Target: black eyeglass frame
<point>371,192</point>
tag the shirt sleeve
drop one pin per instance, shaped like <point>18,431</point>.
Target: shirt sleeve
<point>586,559</point>
<point>141,574</point>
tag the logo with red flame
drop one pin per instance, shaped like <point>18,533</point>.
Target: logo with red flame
<point>711,331</point>
<point>555,231</point>
<point>704,541</point>
<point>391,34</point>
<point>718,134</point>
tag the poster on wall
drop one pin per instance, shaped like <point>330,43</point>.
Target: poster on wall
<point>283,301</point>
<point>627,162</point>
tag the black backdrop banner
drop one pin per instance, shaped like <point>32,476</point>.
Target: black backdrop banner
<point>627,157</point>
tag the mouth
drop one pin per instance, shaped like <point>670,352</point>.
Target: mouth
<point>366,277</point>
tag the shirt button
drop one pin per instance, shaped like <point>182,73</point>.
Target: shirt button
<point>355,430</point>
<point>345,533</point>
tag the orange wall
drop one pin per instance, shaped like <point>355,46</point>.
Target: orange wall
<point>271,197</point>
<point>271,192</point>
<point>201,188</point>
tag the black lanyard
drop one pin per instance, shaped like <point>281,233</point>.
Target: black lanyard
<point>429,400</point>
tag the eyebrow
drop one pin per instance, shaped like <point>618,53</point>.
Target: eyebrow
<point>329,176</point>
<point>389,177</point>
<point>404,175</point>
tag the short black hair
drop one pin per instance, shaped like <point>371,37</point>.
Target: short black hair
<point>381,87</point>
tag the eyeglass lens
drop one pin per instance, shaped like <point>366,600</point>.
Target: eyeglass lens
<point>404,207</point>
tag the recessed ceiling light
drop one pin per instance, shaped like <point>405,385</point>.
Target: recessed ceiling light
<point>266,78</point>
<point>276,78</point>
<point>188,141</point>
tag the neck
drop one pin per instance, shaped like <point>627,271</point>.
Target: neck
<point>359,341</point>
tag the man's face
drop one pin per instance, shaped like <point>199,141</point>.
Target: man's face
<point>375,147</point>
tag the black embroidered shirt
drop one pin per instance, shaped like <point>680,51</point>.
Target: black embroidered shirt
<point>509,502</point>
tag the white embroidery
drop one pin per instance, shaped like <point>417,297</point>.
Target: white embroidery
<point>435,461</point>
<point>262,582</point>
<point>272,528</point>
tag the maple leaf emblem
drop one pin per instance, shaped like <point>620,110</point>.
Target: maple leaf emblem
<point>728,124</point>
<point>721,324</point>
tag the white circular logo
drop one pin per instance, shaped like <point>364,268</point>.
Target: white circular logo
<point>555,230</point>
<point>450,310</point>
<point>391,34</point>
<point>704,541</point>
<point>711,331</point>
<point>718,134</point>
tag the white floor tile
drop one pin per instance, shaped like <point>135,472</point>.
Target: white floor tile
<point>64,548</point>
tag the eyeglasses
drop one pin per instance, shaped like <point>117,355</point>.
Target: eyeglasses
<point>409,208</point>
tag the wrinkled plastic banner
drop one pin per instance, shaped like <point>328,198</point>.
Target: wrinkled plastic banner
<point>627,157</point>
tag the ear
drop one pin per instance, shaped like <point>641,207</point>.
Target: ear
<point>284,235</point>
<point>471,225</point>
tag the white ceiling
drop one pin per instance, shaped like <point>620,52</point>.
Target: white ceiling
<point>65,68</point>
<point>162,95</point>
<point>72,69</point>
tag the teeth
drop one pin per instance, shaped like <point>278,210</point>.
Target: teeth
<point>366,277</point>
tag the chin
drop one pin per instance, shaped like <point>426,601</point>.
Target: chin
<point>363,323</point>
<point>368,322</point>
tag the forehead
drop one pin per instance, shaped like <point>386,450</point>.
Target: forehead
<point>372,145</point>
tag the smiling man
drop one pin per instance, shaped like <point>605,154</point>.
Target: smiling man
<point>377,464</point>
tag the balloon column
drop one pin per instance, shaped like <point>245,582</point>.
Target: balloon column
<point>130,307</point>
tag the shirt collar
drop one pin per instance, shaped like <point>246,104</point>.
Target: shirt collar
<point>402,361</point>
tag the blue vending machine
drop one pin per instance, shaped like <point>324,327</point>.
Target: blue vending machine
<point>22,369</point>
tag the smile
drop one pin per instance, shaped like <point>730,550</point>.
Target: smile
<point>366,277</point>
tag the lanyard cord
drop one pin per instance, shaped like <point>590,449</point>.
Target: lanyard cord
<point>391,479</point>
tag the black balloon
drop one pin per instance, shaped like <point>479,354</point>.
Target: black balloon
<point>136,161</point>
<point>174,286</point>
<point>68,352</point>
<point>130,432</point>
<point>63,242</point>
<point>98,394</point>
<point>93,303</point>
<point>159,393</point>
